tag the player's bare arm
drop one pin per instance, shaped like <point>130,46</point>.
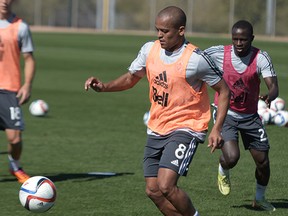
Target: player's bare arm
<point>124,82</point>
<point>215,139</point>
<point>24,92</point>
<point>273,90</point>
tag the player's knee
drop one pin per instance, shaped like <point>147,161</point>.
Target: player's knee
<point>13,137</point>
<point>165,189</point>
<point>16,140</point>
<point>263,165</point>
<point>152,192</point>
<point>231,160</point>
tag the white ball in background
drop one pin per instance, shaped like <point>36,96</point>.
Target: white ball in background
<point>146,117</point>
<point>262,105</point>
<point>261,111</point>
<point>39,108</point>
<point>267,115</point>
<point>277,104</point>
<point>281,118</point>
<point>272,116</point>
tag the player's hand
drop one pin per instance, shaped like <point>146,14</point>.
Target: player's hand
<point>215,140</point>
<point>24,94</point>
<point>94,83</point>
<point>265,98</point>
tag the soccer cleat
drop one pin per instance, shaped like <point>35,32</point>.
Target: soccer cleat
<point>263,205</point>
<point>20,175</point>
<point>224,184</point>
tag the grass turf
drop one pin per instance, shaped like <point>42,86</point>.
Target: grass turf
<point>89,132</point>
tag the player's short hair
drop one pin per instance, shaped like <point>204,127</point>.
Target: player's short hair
<point>178,15</point>
<point>243,24</point>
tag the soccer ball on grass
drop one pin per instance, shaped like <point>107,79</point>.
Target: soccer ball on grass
<point>38,108</point>
<point>281,118</point>
<point>267,115</point>
<point>277,104</point>
<point>146,117</point>
<point>262,104</point>
<point>37,194</point>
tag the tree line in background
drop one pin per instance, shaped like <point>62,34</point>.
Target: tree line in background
<point>205,16</point>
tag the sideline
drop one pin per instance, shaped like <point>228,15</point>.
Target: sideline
<point>144,33</point>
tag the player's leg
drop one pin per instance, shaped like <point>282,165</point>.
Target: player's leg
<point>262,172</point>
<point>152,154</point>
<point>228,159</point>
<point>176,158</point>
<point>14,154</point>
<point>154,193</point>
<point>255,139</point>
<point>12,123</point>
<point>165,159</point>
<point>230,154</point>
<point>262,175</point>
<point>167,182</point>
<point>14,145</point>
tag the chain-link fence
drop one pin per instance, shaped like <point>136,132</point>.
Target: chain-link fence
<point>206,16</point>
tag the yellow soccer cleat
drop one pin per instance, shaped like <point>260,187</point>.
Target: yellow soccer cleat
<point>224,184</point>
<point>263,205</point>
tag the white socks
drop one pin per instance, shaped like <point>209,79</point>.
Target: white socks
<point>222,171</point>
<point>196,213</point>
<point>14,164</point>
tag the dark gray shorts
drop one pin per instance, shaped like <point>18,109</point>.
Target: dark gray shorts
<point>174,151</point>
<point>10,111</point>
<point>252,131</point>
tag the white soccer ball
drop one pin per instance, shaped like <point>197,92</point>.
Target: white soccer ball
<point>37,194</point>
<point>262,105</point>
<point>272,116</point>
<point>38,108</point>
<point>267,115</point>
<point>277,104</point>
<point>281,118</point>
<point>146,117</point>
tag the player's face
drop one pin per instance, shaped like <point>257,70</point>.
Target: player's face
<point>170,38</point>
<point>242,40</point>
<point>5,7</point>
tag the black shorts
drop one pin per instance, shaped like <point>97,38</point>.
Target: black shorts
<point>252,132</point>
<point>174,151</point>
<point>10,111</point>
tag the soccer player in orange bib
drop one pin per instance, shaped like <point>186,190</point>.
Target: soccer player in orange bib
<point>178,73</point>
<point>15,38</point>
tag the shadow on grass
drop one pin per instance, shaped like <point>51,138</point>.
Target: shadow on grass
<point>84,176</point>
<point>75,176</point>
<point>277,203</point>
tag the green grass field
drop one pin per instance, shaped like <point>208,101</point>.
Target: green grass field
<point>89,132</point>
